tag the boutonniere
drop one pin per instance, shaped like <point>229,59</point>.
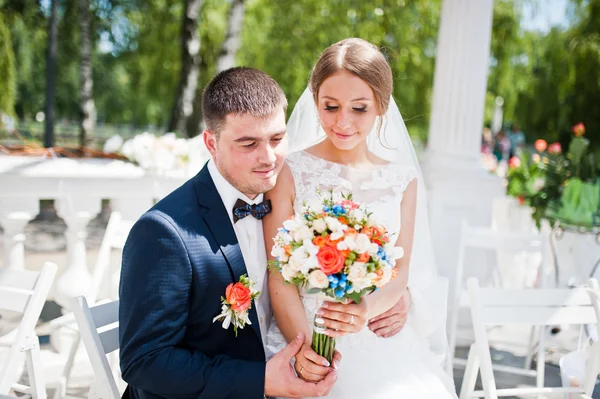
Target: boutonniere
<point>236,303</point>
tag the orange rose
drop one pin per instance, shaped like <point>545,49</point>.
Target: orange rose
<point>345,253</point>
<point>288,249</point>
<point>239,296</point>
<point>368,231</point>
<point>351,232</point>
<point>379,230</point>
<point>343,220</point>
<point>319,241</point>
<point>330,259</point>
<point>364,257</point>
<point>394,273</point>
<point>330,242</point>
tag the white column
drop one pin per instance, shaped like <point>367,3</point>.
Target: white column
<point>76,278</point>
<point>15,213</point>
<point>459,187</point>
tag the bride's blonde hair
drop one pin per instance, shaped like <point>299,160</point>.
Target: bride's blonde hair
<point>361,58</point>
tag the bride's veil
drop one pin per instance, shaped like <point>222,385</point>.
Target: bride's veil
<point>393,143</point>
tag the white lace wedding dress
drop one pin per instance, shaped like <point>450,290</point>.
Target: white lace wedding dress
<point>372,367</point>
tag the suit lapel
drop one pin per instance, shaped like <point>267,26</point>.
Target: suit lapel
<point>219,224</point>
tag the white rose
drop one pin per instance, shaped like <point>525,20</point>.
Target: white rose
<point>291,225</point>
<point>310,248</point>
<point>358,271</point>
<point>319,225</point>
<point>314,205</point>
<point>302,233</point>
<point>309,264</point>
<point>336,236</point>
<point>360,284</point>
<point>288,273</point>
<point>333,224</point>
<point>385,278</point>
<point>362,243</point>
<point>357,214</point>
<point>373,249</point>
<point>279,253</point>
<point>295,264</point>
<point>348,243</point>
<point>372,221</point>
<point>318,279</point>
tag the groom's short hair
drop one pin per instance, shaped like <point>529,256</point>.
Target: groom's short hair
<point>240,90</point>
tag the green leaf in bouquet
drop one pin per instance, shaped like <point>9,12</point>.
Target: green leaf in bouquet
<point>312,291</point>
<point>357,296</point>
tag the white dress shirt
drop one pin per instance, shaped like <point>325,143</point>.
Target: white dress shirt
<point>249,232</point>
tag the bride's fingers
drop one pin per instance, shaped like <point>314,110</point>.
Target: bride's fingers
<point>341,327</point>
<point>310,371</point>
<point>337,316</point>
<point>351,308</point>
<point>308,376</point>
<point>311,355</point>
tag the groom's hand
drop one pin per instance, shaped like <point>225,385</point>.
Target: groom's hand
<point>392,322</point>
<point>281,381</point>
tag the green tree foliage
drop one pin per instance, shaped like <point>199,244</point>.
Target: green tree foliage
<point>549,80</point>
<point>285,39</point>
<point>7,70</point>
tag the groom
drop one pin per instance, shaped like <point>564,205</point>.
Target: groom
<point>183,253</point>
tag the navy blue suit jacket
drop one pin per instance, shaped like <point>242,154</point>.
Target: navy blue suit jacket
<point>179,258</point>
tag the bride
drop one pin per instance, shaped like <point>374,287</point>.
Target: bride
<point>350,137</point>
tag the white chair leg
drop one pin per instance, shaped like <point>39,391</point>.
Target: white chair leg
<point>60,390</point>
<point>71,359</point>
<point>36,373</point>
<point>541,358</point>
<point>530,348</point>
<point>470,375</point>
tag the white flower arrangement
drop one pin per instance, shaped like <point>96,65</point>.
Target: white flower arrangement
<point>159,153</point>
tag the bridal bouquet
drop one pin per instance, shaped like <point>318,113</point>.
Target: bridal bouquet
<point>337,249</point>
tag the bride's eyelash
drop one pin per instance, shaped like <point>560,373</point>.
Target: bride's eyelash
<point>332,108</point>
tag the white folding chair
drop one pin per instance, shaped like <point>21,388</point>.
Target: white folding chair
<point>475,237</point>
<point>25,291</point>
<point>98,344</point>
<point>114,237</point>
<point>540,307</point>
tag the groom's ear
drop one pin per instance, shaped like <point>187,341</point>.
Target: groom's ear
<point>210,141</point>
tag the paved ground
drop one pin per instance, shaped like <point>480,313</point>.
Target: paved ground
<point>45,242</point>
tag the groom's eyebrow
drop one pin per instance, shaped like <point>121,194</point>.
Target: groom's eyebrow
<point>250,138</point>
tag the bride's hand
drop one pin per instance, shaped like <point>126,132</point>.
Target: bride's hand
<point>343,319</point>
<point>312,367</point>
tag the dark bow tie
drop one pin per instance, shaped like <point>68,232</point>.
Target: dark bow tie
<point>241,209</point>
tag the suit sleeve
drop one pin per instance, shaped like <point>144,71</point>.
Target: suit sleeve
<point>153,314</point>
